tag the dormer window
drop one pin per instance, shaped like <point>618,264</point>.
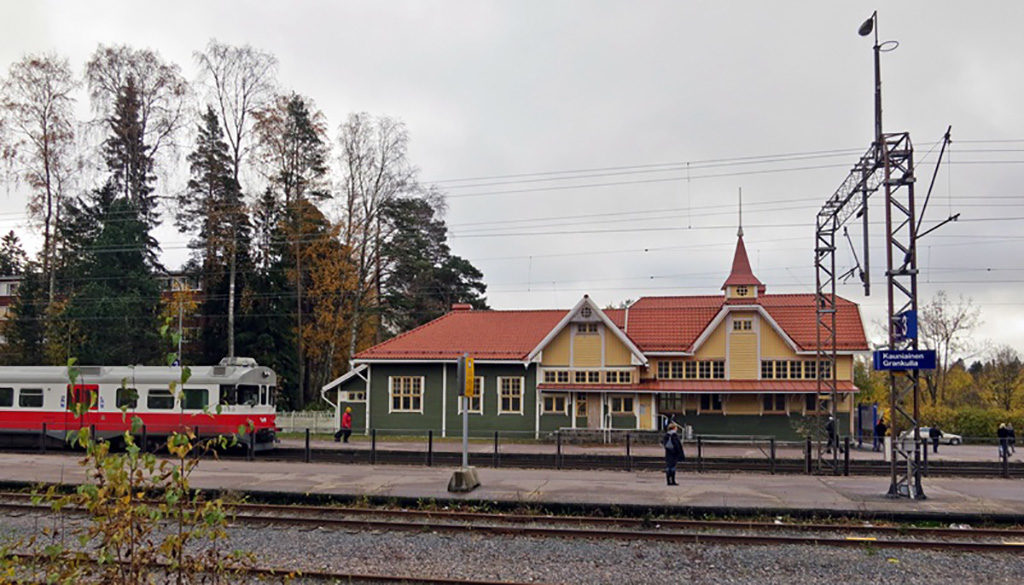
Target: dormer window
<point>741,291</point>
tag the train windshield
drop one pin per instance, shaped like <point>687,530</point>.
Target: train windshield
<point>244,394</point>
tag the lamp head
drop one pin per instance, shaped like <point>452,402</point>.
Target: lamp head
<point>868,26</point>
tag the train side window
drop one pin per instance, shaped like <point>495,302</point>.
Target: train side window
<point>272,390</point>
<point>196,398</point>
<point>248,394</point>
<point>227,394</point>
<point>127,397</point>
<point>159,400</point>
<point>6,396</point>
<point>263,395</point>
<point>30,397</point>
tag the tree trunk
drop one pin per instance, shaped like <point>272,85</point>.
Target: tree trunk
<point>231,297</point>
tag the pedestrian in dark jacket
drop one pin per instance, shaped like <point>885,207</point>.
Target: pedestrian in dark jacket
<point>935,434</point>
<point>1004,440</point>
<point>880,430</point>
<point>673,453</point>
<point>833,439</point>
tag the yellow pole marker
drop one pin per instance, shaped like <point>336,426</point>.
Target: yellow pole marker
<point>470,388</point>
<point>862,538</point>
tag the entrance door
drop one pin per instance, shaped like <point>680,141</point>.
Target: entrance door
<point>594,402</point>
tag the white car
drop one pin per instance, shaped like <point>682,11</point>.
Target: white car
<point>945,439</point>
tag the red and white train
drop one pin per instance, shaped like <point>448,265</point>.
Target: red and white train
<point>244,391</point>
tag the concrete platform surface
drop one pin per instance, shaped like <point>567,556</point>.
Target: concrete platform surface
<point>946,496</point>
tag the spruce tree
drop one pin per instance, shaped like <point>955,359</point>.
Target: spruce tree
<point>12,256</point>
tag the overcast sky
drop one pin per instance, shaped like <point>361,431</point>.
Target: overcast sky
<point>598,147</point>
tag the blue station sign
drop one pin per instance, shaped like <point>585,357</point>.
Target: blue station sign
<point>905,359</point>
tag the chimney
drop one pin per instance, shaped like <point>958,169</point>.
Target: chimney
<point>462,307</point>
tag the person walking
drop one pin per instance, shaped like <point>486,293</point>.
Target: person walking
<point>346,426</point>
<point>673,453</point>
<point>935,434</point>
<point>880,430</point>
<point>830,430</point>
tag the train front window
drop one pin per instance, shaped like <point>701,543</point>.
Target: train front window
<point>196,398</point>
<point>30,398</point>
<point>6,396</point>
<point>159,400</point>
<point>127,398</point>
<point>248,395</point>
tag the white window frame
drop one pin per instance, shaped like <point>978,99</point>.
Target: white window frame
<point>478,398</point>
<point>554,396</point>
<point>522,394</point>
<point>391,395</point>
<point>352,396</point>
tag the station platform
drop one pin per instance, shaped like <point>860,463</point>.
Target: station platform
<point>948,499</point>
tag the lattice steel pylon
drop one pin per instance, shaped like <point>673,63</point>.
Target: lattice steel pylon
<point>901,275</point>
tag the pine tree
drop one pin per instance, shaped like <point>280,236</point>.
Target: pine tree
<point>23,330</point>
<point>12,256</point>
<point>422,277</point>
<point>212,207</point>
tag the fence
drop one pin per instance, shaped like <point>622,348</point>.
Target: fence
<point>317,421</point>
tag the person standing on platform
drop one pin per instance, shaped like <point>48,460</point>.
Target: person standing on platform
<point>673,453</point>
<point>346,426</point>
<point>830,430</point>
<point>935,434</point>
<point>880,430</point>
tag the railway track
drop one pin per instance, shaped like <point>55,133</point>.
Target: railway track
<point>676,530</point>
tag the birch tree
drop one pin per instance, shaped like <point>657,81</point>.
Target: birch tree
<point>373,157</point>
<point>946,326</point>
<point>37,106</point>
<point>240,81</point>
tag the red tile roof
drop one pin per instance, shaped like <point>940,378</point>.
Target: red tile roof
<point>486,335</point>
<point>655,324</point>
<point>703,386</point>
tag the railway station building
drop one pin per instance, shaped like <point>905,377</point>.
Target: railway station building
<point>742,362</point>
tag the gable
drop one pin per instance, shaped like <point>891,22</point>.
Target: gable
<point>592,338</point>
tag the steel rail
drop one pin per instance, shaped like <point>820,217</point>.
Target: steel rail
<point>643,529</point>
<point>333,576</point>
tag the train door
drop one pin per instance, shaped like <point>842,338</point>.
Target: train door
<point>82,400</point>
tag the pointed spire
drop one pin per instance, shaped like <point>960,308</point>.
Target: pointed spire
<point>741,274</point>
<point>739,232</point>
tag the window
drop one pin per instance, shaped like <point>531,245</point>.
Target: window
<point>563,377</point>
<point>510,396</point>
<point>741,291</point>
<point>196,398</point>
<point>781,371</point>
<point>677,370</point>
<point>585,312</point>
<point>671,403</point>
<point>159,400</point>
<point>618,377</point>
<point>622,404</point>
<point>663,369</point>
<point>352,396</point>
<point>774,402</point>
<point>406,393</point>
<point>30,398</point>
<point>6,396</point>
<point>691,370</point>
<point>826,369</point>
<point>476,403</point>
<point>556,376</point>
<point>127,398</point>
<point>549,377</point>
<point>767,372</point>
<point>718,370</point>
<point>711,402</point>
<point>586,328</point>
<point>272,391</point>
<point>248,394</point>
<point>810,372</point>
<point>704,370</point>
<point>742,324</point>
<point>555,404</point>
<point>581,405</point>
<point>810,402</point>
<point>593,377</point>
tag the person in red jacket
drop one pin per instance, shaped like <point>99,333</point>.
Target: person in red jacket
<point>346,426</point>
